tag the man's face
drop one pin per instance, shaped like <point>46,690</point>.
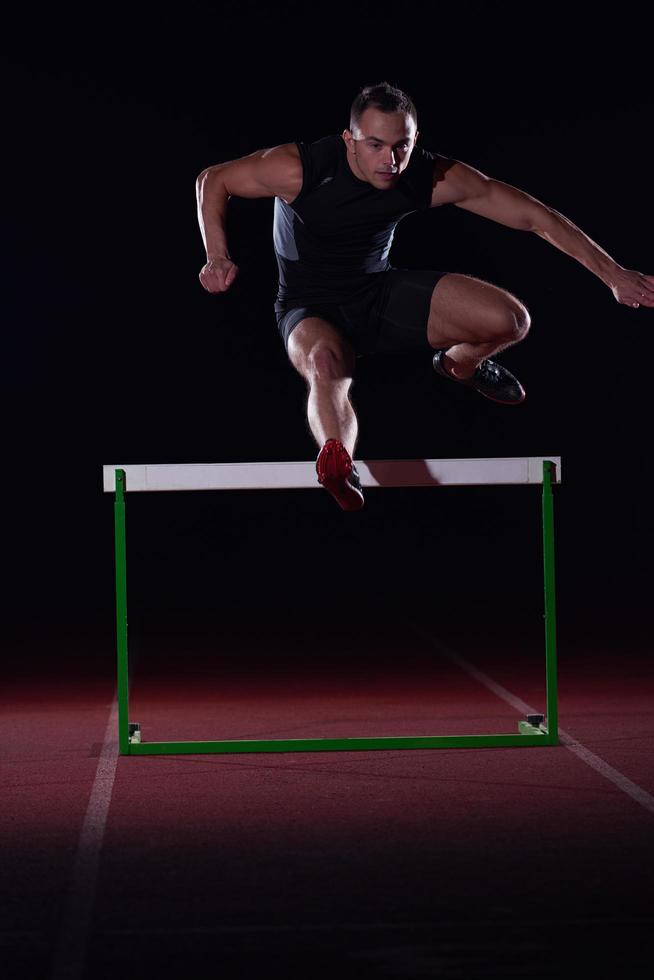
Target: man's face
<point>379,148</point>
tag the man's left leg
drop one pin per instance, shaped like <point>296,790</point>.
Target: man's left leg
<point>469,320</point>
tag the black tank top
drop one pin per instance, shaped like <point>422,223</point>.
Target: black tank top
<point>337,233</point>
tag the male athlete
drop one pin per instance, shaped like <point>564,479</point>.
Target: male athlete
<point>337,203</point>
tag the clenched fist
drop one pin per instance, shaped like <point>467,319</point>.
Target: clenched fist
<point>218,275</point>
<point>632,288</point>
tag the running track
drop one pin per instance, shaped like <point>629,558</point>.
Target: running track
<point>468,863</point>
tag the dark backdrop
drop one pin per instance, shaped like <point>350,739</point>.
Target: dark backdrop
<point>114,353</point>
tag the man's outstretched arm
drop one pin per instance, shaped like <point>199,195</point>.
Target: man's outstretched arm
<point>274,172</point>
<point>457,183</point>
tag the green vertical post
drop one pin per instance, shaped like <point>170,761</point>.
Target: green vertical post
<point>550,604</point>
<point>121,613</point>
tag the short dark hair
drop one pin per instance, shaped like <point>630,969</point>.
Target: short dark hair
<point>385,97</point>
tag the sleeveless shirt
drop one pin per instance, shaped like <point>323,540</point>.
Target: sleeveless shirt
<point>337,233</point>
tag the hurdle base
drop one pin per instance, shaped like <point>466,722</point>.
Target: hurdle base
<point>526,728</point>
<point>529,736</point>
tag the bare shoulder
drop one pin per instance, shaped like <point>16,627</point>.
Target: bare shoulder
<point>282,166</point>
<point>455,181</point>
<point>275,171</point>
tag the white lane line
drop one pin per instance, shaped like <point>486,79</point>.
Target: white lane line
<point>614,776</point>
<point>70,953</point>
<point>632,789</point>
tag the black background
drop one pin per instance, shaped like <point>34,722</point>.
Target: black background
<point>114,352</point>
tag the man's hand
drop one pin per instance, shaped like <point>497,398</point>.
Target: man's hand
<point>633,288</point>
<point>218,275</point>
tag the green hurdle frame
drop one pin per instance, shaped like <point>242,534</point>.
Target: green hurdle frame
<point>534,730</point>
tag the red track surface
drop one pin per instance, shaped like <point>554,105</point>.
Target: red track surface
<point>441,863</point>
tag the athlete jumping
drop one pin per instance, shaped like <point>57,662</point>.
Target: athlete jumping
<point>337,203</point>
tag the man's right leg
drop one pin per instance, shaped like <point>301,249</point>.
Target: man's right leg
<point>325,359</point>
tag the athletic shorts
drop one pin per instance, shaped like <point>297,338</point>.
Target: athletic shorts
<point>390,316</point>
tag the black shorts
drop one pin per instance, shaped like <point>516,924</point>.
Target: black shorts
<point>390,316</point>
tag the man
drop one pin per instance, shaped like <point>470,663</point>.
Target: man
<point>337,203</point>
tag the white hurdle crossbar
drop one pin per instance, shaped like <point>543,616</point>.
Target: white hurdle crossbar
<point>292,476</point>
<point>524,470</point>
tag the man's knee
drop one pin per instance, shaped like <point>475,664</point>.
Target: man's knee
<point>326,363</point>
<point>512,324</point>
<point>319,353</point>
<point>523,322</point>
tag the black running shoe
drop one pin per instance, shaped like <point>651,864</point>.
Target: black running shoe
<point>490,379</point>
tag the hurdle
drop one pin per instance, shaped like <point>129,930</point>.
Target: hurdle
<point>120,479</point>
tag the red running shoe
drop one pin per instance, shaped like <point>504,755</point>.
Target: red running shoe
<point>338,474</point>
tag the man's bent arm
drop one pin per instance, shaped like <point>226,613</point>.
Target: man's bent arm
<point>274,172</point>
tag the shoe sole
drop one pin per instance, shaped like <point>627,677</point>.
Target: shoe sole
<point>466,384</point>
<point>500,401</point>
